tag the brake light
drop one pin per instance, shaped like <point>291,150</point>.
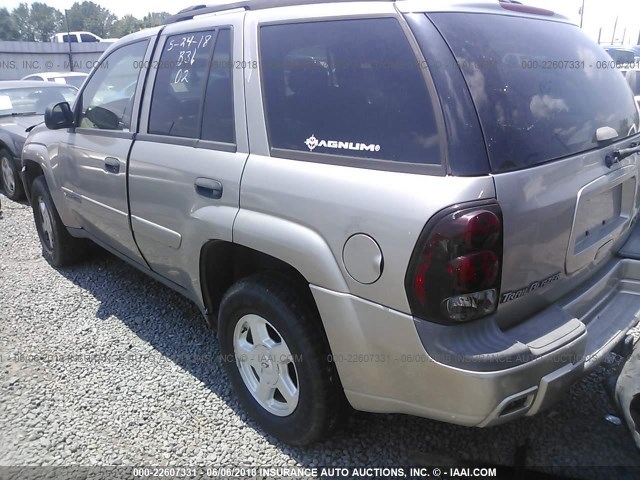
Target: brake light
<point>455,271</point>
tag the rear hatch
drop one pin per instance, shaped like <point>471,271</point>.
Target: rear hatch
<point>551,112</point>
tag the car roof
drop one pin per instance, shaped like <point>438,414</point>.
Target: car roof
<point>30,83</point>
<point>502,7</point>
<point>505,7</point>
<point>617,48</point>
<point>75,31</point>
<point>60,74</point>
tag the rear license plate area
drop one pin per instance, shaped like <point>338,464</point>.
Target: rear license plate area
<point>604,209</point>
<point>596,216</point>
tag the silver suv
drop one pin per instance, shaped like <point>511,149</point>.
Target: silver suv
<point>415,207</point>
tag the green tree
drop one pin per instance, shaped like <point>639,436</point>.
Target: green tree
<point>92,18</point>
<point>154,19</point>
<point>22,18</point>
<point>45,21</point>
<point>126,25</point>
<point>8,28</point>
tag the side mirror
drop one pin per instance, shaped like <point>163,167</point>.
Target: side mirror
<point>58,115</point>
<point>103,118</point>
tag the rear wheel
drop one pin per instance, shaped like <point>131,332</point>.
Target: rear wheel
<point>276,356</point>
<point>59,248</point>
<point>11,182</point>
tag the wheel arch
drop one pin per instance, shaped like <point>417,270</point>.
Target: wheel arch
<point>35,156</point>
<point>222,263</point>
<point>7,143</point>
<point>33,170</point>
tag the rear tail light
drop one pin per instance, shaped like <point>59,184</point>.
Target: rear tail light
<point>454,275</point>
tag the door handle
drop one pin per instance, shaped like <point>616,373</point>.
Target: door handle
<point>112,165</point>
<point>208,187</point>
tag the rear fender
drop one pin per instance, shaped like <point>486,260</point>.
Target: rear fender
<point>299,246</point>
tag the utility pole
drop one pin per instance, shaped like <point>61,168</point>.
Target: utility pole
<point>615,26</point>
<point>581,13</point>
<point>66,20</point>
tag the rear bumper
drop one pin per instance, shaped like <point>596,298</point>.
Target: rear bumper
<point>391,362</point>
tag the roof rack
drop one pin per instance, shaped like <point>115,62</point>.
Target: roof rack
<point>191,12</point>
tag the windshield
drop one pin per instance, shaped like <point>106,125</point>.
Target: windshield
<point>33,100</point>
<point>541,88</point>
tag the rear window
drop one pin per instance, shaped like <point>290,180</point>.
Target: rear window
<point>541,88</point>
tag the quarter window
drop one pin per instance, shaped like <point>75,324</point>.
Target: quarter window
<point>217,119</point>
<point>107,100</point>
<point>349,87</point>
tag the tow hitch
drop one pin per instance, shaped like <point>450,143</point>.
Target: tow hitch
<point>624,386</point>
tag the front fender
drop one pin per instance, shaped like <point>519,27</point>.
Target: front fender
<point>46,158</point>
<point>9,142</point>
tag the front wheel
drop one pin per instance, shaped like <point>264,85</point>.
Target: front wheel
<point>10,177</point>
<point>59,248</point>
<point>276,356</point>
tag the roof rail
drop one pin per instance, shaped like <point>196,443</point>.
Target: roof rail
<point>191,12</point>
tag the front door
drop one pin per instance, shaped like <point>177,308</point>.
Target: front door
<point>95,155</point>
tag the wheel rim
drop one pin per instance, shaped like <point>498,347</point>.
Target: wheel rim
<point>7,176</point>
<point>46,222</point>
<point>266,365</point>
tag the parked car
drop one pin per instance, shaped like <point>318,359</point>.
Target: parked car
<point>633,79</point>
<point>79,37</point>
<point>75,37</point>
<point>623,56</point>
<point>70,78</point>
<point>375,202</point>
<point>22,105</point>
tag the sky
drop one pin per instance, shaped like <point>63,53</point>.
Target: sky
<point>598,14</point>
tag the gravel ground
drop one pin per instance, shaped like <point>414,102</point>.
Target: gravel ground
<point>100,365</point>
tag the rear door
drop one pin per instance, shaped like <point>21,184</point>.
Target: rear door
<point>186,164</point>
<point>545,97</point>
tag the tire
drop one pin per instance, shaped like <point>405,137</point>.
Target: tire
<point>10,176</point>
<point>310,410</point>
<point>59,248</point>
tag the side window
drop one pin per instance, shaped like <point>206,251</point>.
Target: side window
<point>217,117</point>
<point>70,38</point>
<point>107,100</point>
<point>85,37</point>
<point>348,87</point>
<point>178,92</point>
